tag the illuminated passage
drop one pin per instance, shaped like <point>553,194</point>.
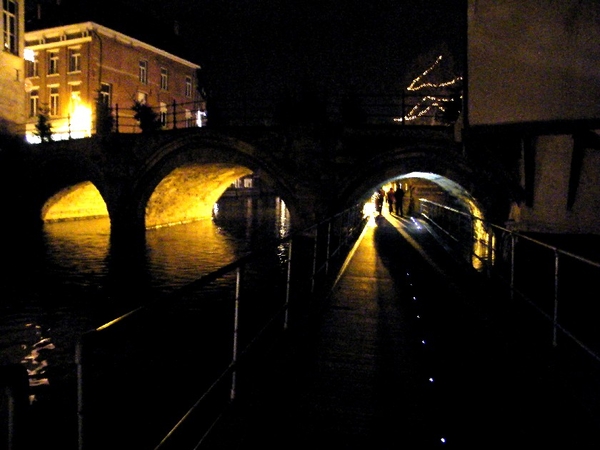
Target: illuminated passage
<point>81,201</point>
<point>189,193</point>
<point>186,194</point>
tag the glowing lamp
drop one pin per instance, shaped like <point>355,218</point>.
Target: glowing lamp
<point>29,55</point>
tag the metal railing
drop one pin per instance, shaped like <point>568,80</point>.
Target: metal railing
<point>560,285</point>
<point>14,401</point>
<point>400,109</point>
<point>162,375</point>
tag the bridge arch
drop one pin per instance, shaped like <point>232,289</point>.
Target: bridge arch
<point>436,172</point>
<point>141,177</point>
<point>79,201</point>
<point>184,176</point>
<point>68,186</point>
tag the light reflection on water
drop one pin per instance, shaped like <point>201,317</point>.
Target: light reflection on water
<point>68,282</point>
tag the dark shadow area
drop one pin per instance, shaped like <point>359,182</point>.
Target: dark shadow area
<point>491,359</point>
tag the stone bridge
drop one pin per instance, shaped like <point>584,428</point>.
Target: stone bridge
<point>175,176</point>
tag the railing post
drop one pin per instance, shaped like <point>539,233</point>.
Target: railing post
<point>116,117</point>
<point>14,385</point>
<point>287,287</point>
<point>513,249</point>
<point>236,314</point>
<point>555,315</point>
<point>328,249</point>
<point>490,250</point>
<point>80,417</point>
<point>314,267</point>
<point>344,220</point>
<point>174,114</point>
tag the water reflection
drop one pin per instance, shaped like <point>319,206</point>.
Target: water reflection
<point>69,280</point>
<point>180,254</point>
<point>36,362</point>
<point>76,251</point>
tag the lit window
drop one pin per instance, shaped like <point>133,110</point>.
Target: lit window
<point>54,101</point>
<point>53,62</point>
<point>163,114</point>
<point>10,21</point>
<point>74,60</point>
<point>75,96</point>
<point>34,102</point>
<point>143,72</point>
<point>188,87</point>
<point>105,93</point>
<point>32,67</point>
<point>164,79</point>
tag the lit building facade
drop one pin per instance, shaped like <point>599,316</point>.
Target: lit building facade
<point>12,95</point>
<point>71,69</point>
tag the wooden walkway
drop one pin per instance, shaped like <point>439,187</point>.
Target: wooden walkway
<point>410,351</point>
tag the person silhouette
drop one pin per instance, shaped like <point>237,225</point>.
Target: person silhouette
<point>399,198</point>
<point>379,197</point>
<point>390,197</point>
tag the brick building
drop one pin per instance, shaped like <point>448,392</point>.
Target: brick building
<point>69,69</point>
<point>11,67</point>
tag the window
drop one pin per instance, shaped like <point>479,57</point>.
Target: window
<point>189,119</point>
<point>164,79</point>
<point>75,96</point>
<point>52,62</point>
<point>188,87</point>
<point>74,60</point>
<point>9,16</point>
<point>105,94</point>
<point>32,67</point>
<point>143,72</point>
<point>163,114</point>
<point>34,102</point>
<point>54,101</point>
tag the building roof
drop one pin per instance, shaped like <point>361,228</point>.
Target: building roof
<point>48,37</point>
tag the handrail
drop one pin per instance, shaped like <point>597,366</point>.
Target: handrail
<point>400,108</point>
<point>96,350</point>
<point>14,400</point>
<point>508,256</point>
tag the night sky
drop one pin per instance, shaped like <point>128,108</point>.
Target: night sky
<point>273,47</point>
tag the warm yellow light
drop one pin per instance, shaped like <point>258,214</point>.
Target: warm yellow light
<point>81,122</point>
<point>29,55</point>
<point>483,247</point>
<point>429,101</point>
<point>77,126</point>
<point>81,201</point>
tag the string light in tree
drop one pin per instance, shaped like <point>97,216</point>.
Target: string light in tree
<point>429,101</point>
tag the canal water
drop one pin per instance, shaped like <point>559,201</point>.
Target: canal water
<point>67,281</point>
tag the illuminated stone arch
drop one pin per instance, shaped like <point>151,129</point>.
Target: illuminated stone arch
<point>70,183</point>
<point>76,202</point>
<point>434,171</point>
<point>186,176</point>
